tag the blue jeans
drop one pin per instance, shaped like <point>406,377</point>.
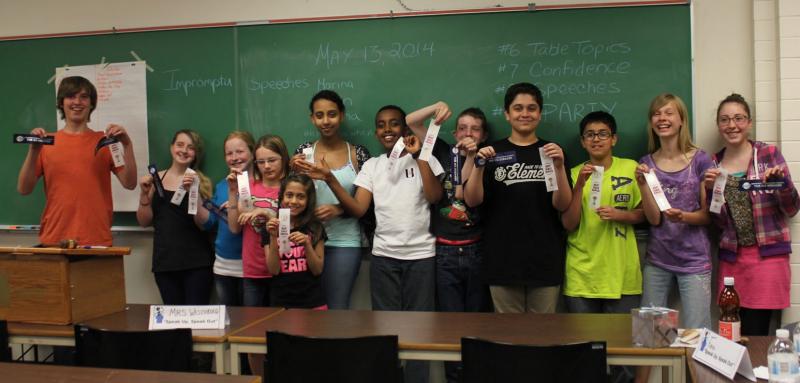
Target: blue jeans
<point>694,289</point>
<point>256,291</point>
<point>339,275</point>
<point>229,290</point>
<point>404,286</point>
<point>460,287</point>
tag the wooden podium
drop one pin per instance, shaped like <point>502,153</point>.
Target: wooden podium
<point>60,286</point>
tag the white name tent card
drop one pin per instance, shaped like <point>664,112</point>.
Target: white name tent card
<point>724,356</point>
<point>211,317</point>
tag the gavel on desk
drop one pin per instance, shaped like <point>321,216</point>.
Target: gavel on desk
<point>63,244</point>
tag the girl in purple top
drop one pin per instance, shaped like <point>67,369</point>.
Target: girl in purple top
<point>678,246</point>
<point>754,242</point>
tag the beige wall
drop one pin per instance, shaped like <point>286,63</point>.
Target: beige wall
<point>722,39</point>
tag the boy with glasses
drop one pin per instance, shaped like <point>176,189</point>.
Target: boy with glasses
<point>602,268</point>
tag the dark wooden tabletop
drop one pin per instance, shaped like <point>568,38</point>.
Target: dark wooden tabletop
<point>757,348</point>
<point>442,331</point>
<point>136,318</point>
<point>35,373</point>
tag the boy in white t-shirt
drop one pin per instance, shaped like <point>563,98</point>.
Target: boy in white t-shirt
<point>402,269</point>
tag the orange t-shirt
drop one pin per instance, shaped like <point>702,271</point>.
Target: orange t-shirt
<point>77,185</point>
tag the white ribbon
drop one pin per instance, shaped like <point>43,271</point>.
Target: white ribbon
<point>284,247</point>
<point>597,185</point>
<point>718,193</point>
<point>117,154</point>
<point>194,195</point>
<point>245,200</point>
<point>430,140</point>
<point>549,171</point>
<point>657,190</point>
<point>308,153</point>
<point>396,151</point>
<point>177,198</point>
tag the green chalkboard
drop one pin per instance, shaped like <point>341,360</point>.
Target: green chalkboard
<point>260,78</point>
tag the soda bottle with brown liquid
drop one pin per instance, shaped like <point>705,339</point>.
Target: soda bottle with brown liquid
<point>729,322</point>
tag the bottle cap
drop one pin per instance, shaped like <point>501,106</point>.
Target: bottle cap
<point>728,281</point>
<point>782,333</point>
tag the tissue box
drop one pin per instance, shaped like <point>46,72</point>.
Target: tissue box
<point>654,326</point>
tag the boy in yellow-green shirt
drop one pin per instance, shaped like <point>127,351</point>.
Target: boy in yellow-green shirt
<point>602,267</point>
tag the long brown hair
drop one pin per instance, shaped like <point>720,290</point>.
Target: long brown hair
<point>307,218</point>
<point>199,151</point>
<point>276,144</point>
<point>684,136</point>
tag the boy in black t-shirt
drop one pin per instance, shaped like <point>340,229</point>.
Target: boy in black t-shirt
<point>523,240</point>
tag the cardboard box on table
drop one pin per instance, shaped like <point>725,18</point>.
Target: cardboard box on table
<point>60,286</point>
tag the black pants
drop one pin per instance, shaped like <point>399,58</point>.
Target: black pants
<point>185,287</point>
<point>755,321</point>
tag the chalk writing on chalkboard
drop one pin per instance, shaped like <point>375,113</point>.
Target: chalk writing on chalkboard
<point>176,83</point>
<point>331,56</point>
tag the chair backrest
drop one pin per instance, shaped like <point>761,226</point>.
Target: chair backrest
<point>292,358</point>
<point>164,350</point>
<point>5,351</point>
<point>485,361</point>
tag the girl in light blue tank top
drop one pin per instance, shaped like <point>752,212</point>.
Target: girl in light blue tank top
<point>343,247</point>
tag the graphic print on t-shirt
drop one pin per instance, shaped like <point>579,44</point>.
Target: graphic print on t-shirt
<point>519,172</point>
<point>294,261</point>
<point>265,203</point>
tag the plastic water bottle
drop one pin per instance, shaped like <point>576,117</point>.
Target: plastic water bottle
<point>782,360</point>
<point>796,339</point>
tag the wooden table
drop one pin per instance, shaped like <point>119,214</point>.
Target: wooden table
<point>35,373</point>
<point>135,317</point>
<point>437,335</point>
<point>757,348</point>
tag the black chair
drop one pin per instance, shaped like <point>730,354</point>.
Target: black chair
<point>292,358</point>
<point>164,350</point>
<point>485,361</point>
<point>5,351</point>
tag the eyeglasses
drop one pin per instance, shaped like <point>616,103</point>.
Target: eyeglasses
<point>738,119</point>
<point>601,135</point>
